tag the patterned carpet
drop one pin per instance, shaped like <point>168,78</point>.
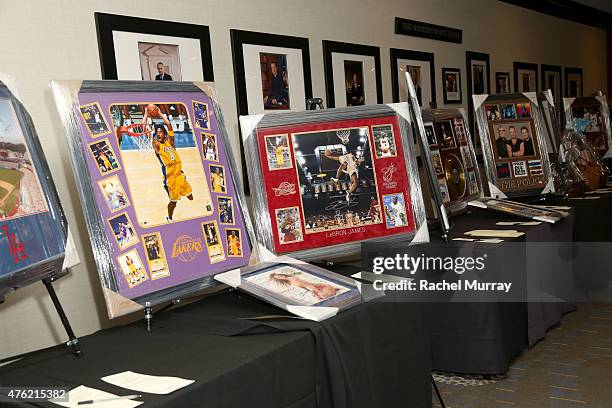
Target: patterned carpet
<point>571,367</point>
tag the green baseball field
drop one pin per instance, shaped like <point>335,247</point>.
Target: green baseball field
<point>9,191</point>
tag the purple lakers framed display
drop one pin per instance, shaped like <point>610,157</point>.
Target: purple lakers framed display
<point>514,148</point>
<point>594,110</point>
<point>157,182</point>
<point>33,231</point>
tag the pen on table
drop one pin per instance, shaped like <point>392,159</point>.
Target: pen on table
<point>124,397</point>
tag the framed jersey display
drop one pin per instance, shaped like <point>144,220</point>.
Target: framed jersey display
<point>323,181</point>
<point>33,231</point>
<point>594,110</point>
<point>454,160</point>
<point>157,183</point>
<point>514,148</point>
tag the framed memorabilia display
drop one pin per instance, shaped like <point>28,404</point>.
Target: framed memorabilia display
<point>519,209</point>
<point>478,83</point>
<point>134,48</point>
<point>352,74</point>
<point>595,111</point>
<point>573,82</point>
<point>552,79</point>
<point>525,77</point>
<point>33,231</point>
<point>502,82</point>
<point>156,179</point>
<point>323,181</point>
<point>453,156</point>
<point>552,123</point>
<point>271,73</point>
<point>451,80</point>
<point>421,67</point>
<point>514,148</point>
<point>297,287</point>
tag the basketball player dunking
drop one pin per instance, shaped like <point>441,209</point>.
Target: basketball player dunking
<point>175,182</point>
<point>348,165</point>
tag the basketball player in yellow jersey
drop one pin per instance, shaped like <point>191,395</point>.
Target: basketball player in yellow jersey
<point>233,244</point>
<point>217,181</point>
<point>175,182</point>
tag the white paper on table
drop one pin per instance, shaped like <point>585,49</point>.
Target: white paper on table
<point>495,233</point>
<point>151,384</point>
<point>524,223</point>
<point>83,393</point>
<point>491,240</point>
<point>464,239</point>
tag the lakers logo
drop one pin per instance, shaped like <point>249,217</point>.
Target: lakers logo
<point>185,248</point>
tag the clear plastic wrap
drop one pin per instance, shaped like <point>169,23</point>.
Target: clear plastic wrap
<point>156,176</point>
<point>594,110</point>
<point>33,230</point>
<point>324,181</point>
<point>513,143</point>
<point>449,144</point>
<point>585,171</point>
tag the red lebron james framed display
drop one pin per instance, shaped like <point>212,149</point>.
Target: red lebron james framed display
<point>514,148</point>
<point>156,178</point>
<point>323,181</point>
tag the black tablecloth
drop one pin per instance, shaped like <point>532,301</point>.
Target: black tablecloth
<point>483,337</point>
<point>374,355</point>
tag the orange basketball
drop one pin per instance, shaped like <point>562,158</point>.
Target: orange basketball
<point>153,111</point>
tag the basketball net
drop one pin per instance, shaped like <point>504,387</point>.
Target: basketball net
<point>141,136</point>
<point>343,135</point>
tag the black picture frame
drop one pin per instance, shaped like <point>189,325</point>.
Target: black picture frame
<point>107,23</point>
<point>448,101</point>
<point>505,75</point>
<point>331,47</point>
<point>469,57</point>
<point>241,37</point>
<point>397,54</point>
<point>566,72</point>
<point>527,66</point>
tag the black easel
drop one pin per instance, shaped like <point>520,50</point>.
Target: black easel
<point>73,341</point>
<point>435,386</point>
<point>148,311</point>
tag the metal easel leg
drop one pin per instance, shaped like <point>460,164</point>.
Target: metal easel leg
<point>435,386</point>
<point>73,341</point>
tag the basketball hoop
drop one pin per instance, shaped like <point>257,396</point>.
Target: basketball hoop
<point>343,134</point>
<point>141,135</point>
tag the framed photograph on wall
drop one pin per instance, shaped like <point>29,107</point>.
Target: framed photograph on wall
<point>352,74</point>
<point>502,82</point>
<point>525,77</point>
<point>271,73</point>
<point>421,67</point>
<point>478,81</point>
<point>573,82</point>
<point>133,48</point>
<point>551,79</point>
<point>451,82</point>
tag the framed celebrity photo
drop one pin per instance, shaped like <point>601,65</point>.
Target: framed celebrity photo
<point>478,83</point>
<point>514,147</point>
<point>502,82</point>
<point>162,208</point>
<point>421,68</point>
<point>134,48</point>
<point>352,74</point>
<point>595,112</point>
<point>452,152</point>
<point>573,82</point>
<point>451,80</point>
<point>33,230</point>
<point>324,181</point>
<point>525,77</point>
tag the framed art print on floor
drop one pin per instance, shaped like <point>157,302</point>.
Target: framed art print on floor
<point>525,77</point>
<point>156,178</point>
<point>352,74</point>
<point>332,179</point>
<point>421,67</point>
<point>134,48</point>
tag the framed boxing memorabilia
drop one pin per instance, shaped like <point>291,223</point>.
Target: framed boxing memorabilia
<point>324,181</point>
<point>515,152</point>
<point>595,112</point>
<point>454,160</point>
<point>33,231</point>
<point>156,178</point>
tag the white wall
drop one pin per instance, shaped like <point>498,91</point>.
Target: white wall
<point>56,39</point>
